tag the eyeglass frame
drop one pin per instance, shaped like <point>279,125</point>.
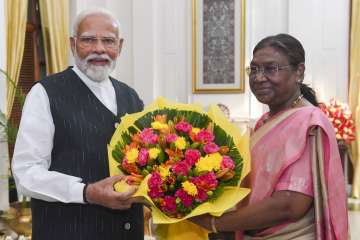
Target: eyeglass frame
<point>262,69</point>
<point>102,39</point>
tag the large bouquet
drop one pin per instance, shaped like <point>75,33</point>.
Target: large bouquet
<point>187,162</point>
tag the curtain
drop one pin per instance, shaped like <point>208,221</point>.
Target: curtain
<point>16,16</point>
<point>354,90</point>
<point>55,29</point>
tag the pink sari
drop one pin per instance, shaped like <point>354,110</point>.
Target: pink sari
<point>281,142</point>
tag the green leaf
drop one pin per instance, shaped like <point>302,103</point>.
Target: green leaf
<point>161,156</point>
<point>3,120</point>
<point>11,128</point>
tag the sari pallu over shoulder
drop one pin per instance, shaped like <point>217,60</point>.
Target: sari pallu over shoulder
<point>279,143</point>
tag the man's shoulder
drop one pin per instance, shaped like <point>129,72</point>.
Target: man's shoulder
<point>121,86</point>
<point>134,102</point>
<point>56,77</point>
<point>119,83</point>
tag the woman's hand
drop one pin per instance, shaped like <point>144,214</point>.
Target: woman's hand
<point>281,207</point>
<point>203,221</point>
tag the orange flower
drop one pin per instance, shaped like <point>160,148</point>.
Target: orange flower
<point>224,150</point>
<point>161,118</point>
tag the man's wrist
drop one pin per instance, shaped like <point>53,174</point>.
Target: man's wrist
<point>85,199</point>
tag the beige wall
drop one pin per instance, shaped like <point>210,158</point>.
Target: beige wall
<point>156,59</point>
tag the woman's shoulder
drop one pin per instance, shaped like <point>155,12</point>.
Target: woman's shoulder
<point>311,110</point>
<point>314,116</point>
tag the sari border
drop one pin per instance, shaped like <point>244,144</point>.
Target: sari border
<point>263,130</point>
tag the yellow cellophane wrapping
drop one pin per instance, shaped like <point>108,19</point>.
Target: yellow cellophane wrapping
<point>177,228</point>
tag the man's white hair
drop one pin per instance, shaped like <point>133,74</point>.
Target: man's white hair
<point>94,11</point>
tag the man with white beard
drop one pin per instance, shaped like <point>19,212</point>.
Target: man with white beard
<point>60,157</point>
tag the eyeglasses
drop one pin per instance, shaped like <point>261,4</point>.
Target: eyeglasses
<point>89,41</point>
<point>267,70</point>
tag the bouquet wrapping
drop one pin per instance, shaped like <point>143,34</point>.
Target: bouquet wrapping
<point>187,162</point>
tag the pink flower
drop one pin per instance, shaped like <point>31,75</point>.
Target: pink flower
<point>202,196</point>
<point>211,147</point>
<point>155,181</point>
<point>155,193</point>
<point>227,162</point>
<point>169,204</point>
<point>143,157</point>
<point>185,198</point>
<point>125,163</point>
<point>205,136</point>
<point>183,126</point>
<point>148,136</point>
<point>206,182</point>
<point>171,138</point>
<point>192,156</point>
<point>154,184</point>
<point>181,168</point>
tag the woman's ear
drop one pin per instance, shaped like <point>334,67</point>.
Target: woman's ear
<point>300,71</point>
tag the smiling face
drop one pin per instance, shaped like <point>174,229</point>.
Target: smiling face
<point>279,88</point>
<point>96,46</point>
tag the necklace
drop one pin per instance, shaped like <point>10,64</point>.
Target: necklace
<point>297,101</point>
<point>293,104</point>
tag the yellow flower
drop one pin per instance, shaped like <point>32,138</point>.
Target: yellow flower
<point>216,159</point>
<point>189,188</point>
<point>180,143</point>
<point>209,162</point>
<point>204,164</point>
<point>195,130</point>
<point>164,172</point>
<point>132,155</point>
<point>158,125</point>
<point>153,153</point>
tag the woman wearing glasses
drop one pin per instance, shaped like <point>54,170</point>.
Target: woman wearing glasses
<point>297,184</point>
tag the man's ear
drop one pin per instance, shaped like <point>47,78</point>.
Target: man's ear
<point>121,41</point>
<point>72,45</point>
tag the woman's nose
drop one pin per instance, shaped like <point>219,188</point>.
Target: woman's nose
<point>260,76</point>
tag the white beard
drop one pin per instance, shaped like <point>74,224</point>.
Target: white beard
<point>95,73</point>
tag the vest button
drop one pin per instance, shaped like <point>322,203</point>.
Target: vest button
<point>127,226</point>
<point>116,125</point>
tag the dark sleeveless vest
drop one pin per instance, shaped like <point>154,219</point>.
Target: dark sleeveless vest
<point>83,128</point>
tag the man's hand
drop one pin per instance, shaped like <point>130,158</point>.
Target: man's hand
<point>103,193</point>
